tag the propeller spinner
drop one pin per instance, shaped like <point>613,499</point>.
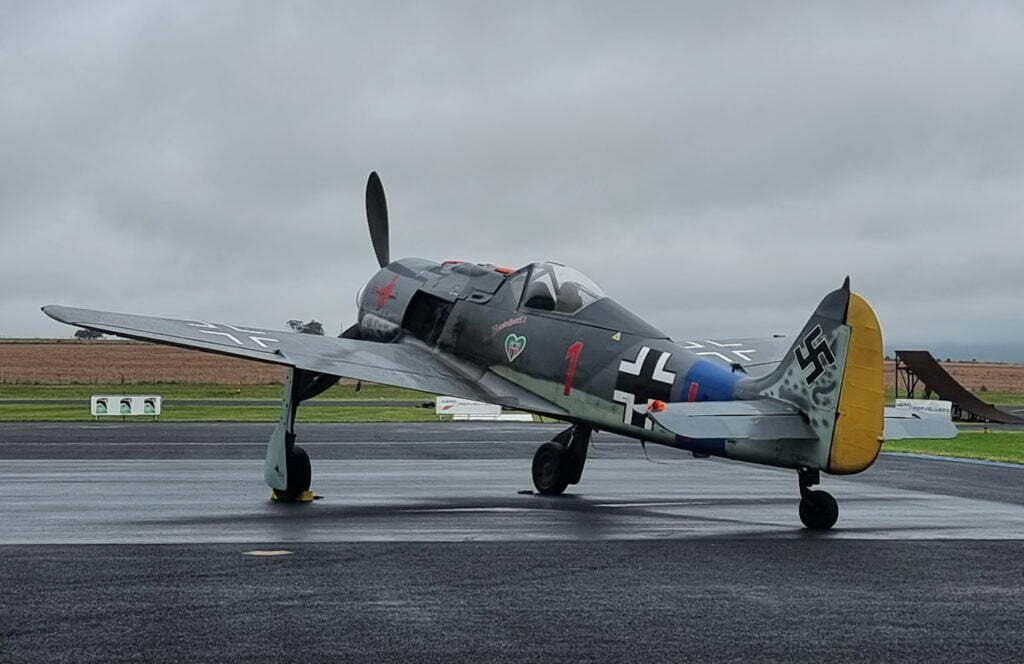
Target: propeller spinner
<point>377,217</point>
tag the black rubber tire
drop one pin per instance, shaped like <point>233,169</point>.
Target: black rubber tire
<point>818,510</point>
<point>300,474</point>
<point>549,469</point>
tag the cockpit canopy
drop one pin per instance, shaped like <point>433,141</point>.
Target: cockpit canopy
<point>559,288</point>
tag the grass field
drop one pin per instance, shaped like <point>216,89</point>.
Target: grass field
<point>368,391</point>
<point>998,398</point>
<point>995,446</point>
<point>1001,398</point>
<point>214,413</point>
<point>58,413</point>
<point>998,446</point>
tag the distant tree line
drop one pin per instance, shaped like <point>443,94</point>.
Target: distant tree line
<point>312,327</point>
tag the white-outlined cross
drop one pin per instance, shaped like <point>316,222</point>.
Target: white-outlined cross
<point>256,336</point>
<point>742,354</point>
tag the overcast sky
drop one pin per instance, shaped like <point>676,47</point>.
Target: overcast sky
<point>717,167</point>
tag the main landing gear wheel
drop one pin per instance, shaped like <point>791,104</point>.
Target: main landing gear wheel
<point>300,475</point>
<point>549,472</point>
<point>818,510</point>
<point>559,463</point>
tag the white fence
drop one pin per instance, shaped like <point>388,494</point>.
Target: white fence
<point>124,405</point>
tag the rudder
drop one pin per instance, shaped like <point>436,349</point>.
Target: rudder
<point>857,438</point>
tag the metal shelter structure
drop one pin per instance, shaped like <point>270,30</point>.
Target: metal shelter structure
<point>917,368</point>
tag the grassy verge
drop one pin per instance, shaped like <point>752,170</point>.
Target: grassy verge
<point>368,391</point>
<point>997,446</point>
<point>47,413</point>
<point>998,398</point>
<point>1001,398</point>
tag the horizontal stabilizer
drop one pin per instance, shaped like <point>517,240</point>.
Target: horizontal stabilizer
<point>762,419</point>
<point>903,423</point>
<point>769,419</point>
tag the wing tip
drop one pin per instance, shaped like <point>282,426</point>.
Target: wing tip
<point>61,313</point>
<point>52,310</point>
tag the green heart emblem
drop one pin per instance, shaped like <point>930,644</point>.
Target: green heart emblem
<point>514,345</point>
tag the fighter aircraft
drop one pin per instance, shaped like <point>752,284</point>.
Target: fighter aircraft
<point>545,339</point>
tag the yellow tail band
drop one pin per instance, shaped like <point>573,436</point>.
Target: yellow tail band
<point>857,438</point>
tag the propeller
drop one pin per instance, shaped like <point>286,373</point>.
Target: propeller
<point>377,217</point>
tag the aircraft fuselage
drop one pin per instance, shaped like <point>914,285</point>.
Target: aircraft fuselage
<point>601,364</point>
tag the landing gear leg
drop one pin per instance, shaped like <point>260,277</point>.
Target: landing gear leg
<point>286,468</point>
<point>559,463</point>
<point>818,509</point>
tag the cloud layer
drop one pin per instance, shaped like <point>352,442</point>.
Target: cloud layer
<point>717,168</point>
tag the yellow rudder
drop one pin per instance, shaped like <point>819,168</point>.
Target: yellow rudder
<point>857,438</point>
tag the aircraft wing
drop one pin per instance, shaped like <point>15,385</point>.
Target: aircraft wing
<point>769,419</point>
<point>757,355</point>
<point>407,365</point>
<point>903,423</point>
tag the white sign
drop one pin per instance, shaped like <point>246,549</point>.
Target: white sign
<point>124,405</point>
<point>464,409</point>
<point>927,406</point>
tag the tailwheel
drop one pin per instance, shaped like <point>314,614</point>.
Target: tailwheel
<point>818,510</point>
<point>549,472</point>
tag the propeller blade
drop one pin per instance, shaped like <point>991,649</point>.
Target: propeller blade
<point>377,217</point>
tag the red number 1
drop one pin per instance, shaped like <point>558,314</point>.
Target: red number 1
<point>573,355</point>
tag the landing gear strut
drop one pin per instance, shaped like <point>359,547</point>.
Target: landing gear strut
<point>287,469</point>
<point>559,463</point>
<point>818,509</point>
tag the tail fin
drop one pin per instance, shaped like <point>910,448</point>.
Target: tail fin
<point>833,374</point>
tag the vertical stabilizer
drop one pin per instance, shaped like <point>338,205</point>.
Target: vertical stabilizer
<point>833,374</point>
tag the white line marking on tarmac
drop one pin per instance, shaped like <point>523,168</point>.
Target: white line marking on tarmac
<point>668,503</point>
<point>473,509</point>
<point>936,457</point>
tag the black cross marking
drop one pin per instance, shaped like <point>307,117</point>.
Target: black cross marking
<point>643,387</point>
<point>819,355</point>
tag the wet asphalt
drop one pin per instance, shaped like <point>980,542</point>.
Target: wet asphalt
<point>129,542</point>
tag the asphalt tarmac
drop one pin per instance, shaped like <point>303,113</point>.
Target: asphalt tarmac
<point>132,541</point>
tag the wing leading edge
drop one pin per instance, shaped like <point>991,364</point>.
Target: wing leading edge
<point>409,365</point>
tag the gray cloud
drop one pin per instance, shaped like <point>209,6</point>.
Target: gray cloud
<point>716,167</point>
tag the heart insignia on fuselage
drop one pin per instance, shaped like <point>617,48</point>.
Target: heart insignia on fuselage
<point>514,346</point>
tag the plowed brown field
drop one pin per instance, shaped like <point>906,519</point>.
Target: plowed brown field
<point>65,361</point>
<point>98,362</point>
<point>979,377</point>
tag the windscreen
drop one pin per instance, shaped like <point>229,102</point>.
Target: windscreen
<point>560,288</point>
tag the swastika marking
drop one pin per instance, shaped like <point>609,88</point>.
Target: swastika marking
<point>814,352</point>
